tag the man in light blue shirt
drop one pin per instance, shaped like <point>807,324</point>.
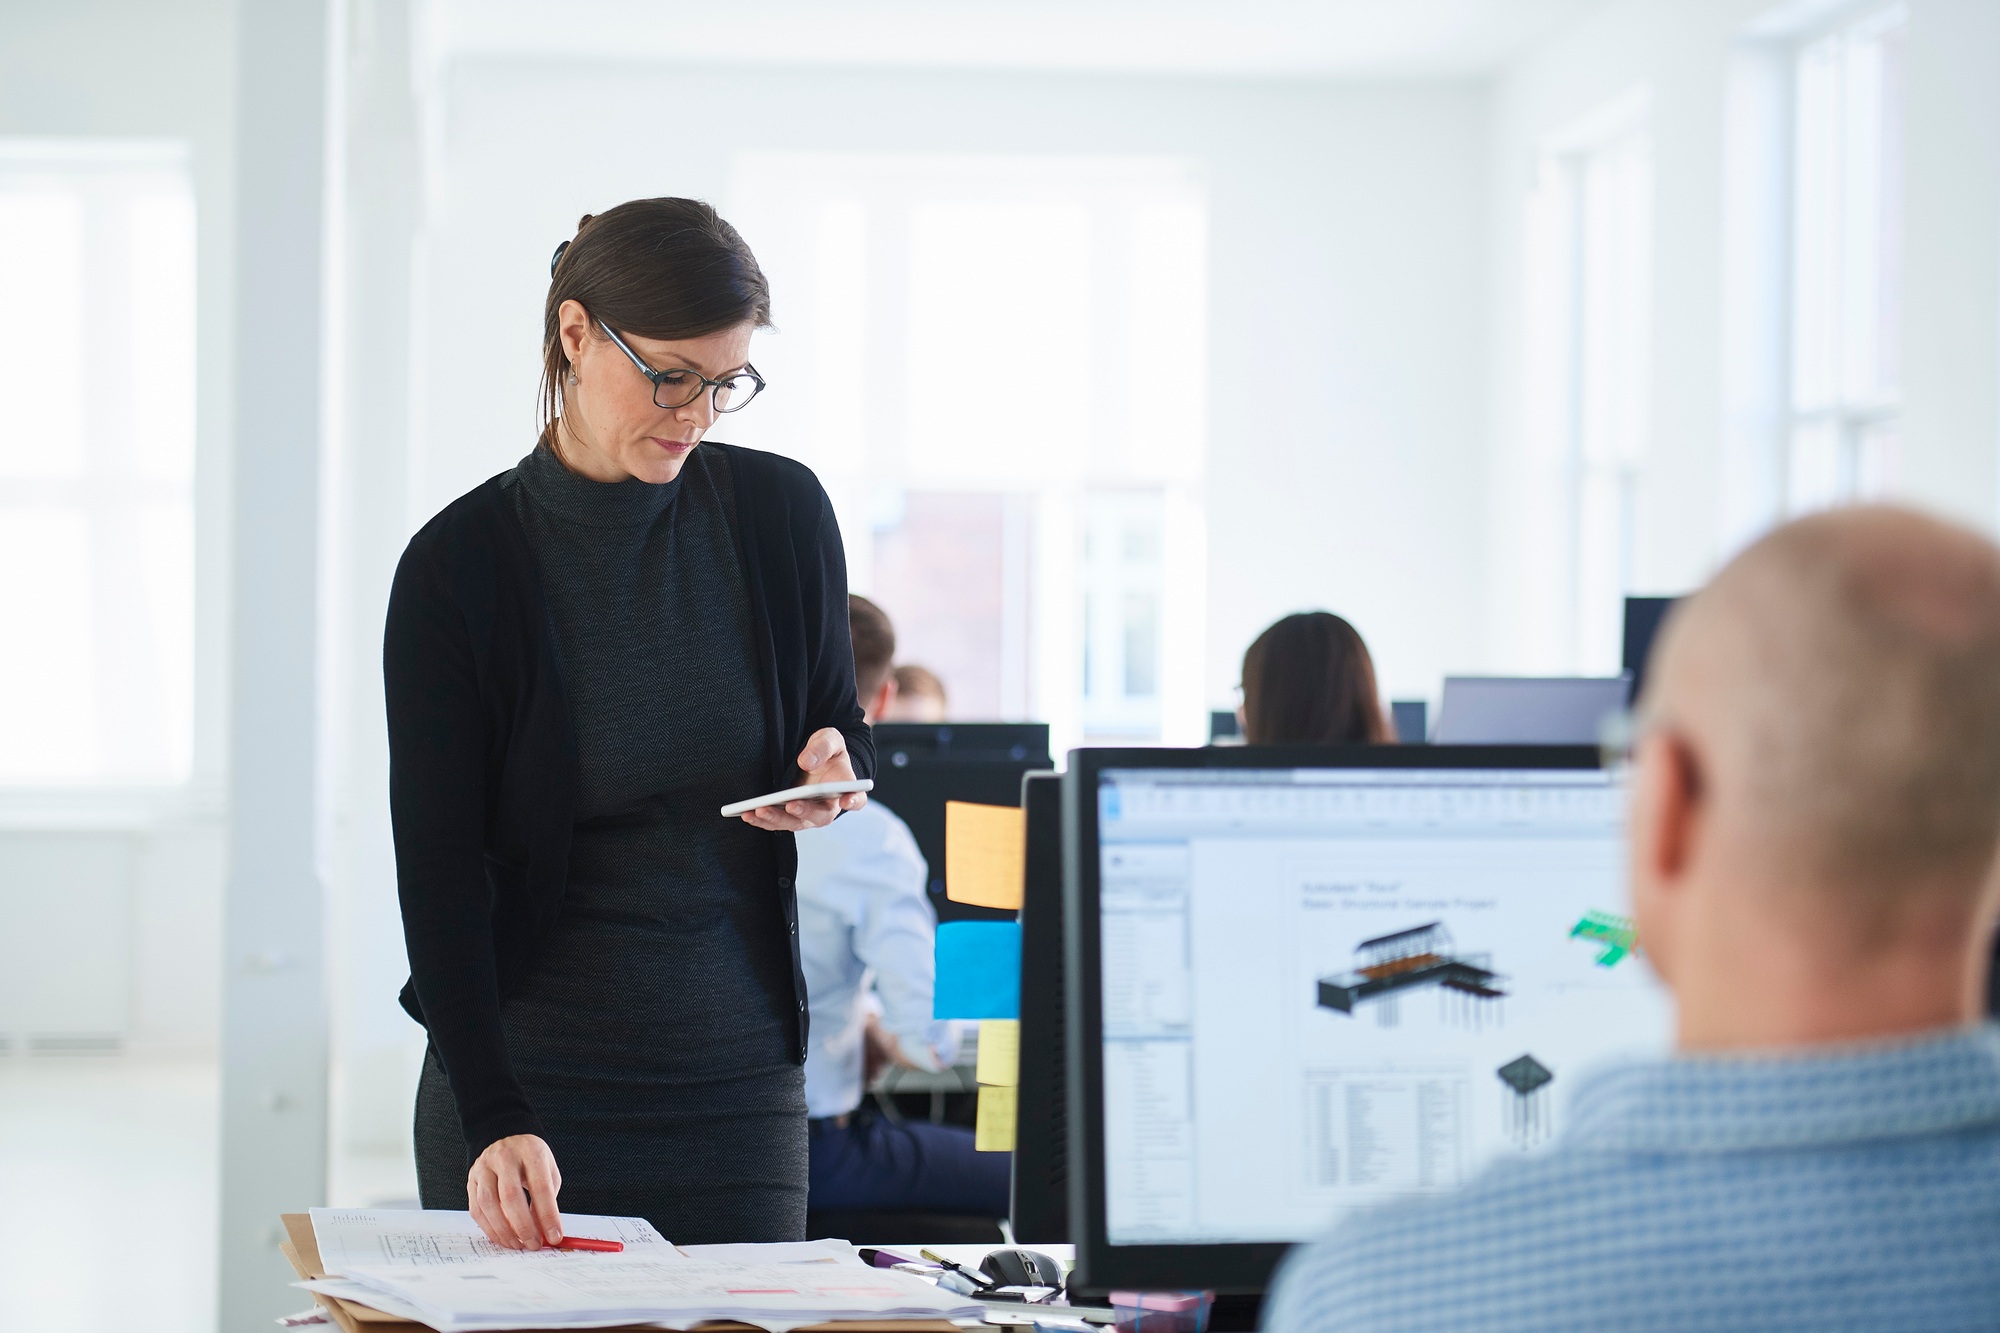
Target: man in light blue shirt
<point>867,943</point>
<point>1814,819</point>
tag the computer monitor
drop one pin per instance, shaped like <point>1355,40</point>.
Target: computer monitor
<point>1411,719</point>
<point>917,789</point>
<point>1307,981</point>
<point>1642,625</point>
<point>961,740</point>
<point>1527,710</point>
<point>1040,1207</point>
<point>1408,717</point>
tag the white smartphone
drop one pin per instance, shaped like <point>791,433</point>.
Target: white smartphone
<point>812,791</point>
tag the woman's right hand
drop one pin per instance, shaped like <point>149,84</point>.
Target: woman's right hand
<point>512,1189</point>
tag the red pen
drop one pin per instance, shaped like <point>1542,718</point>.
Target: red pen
<point>586,1243</point>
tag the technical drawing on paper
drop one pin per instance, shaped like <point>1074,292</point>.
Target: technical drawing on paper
<point>1390,965</point>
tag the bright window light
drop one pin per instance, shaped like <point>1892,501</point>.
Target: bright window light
<point>1000,341</point>
<point>96,463</point>
<point>1001,379</point>
<point>1847,277</point>
<point>1588,357</point>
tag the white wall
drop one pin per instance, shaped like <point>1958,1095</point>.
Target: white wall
<point>114,903</point>
<point>1702,492</point>
<point>1347,228</point>
<point>1951,328</point>
<point>377,1048</point>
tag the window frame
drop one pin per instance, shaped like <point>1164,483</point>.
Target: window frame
<point>834,226</point>
<point>1591,437</point>
<point>109,799</point>
<point>1849,416</point>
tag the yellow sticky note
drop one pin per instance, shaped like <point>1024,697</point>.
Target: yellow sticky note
<point>1000,1052</point>
<point>998,1108</point>
<point>985,851</point>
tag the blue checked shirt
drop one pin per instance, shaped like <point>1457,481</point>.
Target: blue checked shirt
<point>1858,1189</point>
<point>866,932</point>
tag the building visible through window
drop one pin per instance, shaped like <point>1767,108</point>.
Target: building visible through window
<point>997,366</point>
<point>97,273</point>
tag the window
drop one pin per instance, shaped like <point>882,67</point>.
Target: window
<point>1847,278</point>
<point>997,367</point>
<point>1122,597</point>
<point>1589,302</point>
<point>96,463</point>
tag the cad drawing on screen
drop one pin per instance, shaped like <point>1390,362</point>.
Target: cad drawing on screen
<point>1389,966</point>
<point>1614,933</point>
<point>1523,1111</point>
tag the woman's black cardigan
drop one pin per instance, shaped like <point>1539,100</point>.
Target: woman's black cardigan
<point>482,756</point>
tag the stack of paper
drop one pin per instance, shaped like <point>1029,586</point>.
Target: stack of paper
<point>600,1291</point>
<point>350,1236</point>
<point>823,1251</point>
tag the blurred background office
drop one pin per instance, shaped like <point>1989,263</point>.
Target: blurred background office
<point>1116,331</point>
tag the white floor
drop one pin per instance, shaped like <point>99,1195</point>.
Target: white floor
<point>108,1194</point>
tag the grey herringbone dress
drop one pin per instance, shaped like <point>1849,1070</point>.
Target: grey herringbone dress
<point>651,1034</point>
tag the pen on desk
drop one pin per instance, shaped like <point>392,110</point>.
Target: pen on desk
<point>978,1278</point>
<point>878,1258</point>
<point>586,1243</point>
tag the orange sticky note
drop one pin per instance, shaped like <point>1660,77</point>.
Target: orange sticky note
<point>985,854</point>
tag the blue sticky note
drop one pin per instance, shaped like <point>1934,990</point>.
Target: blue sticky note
<point>978,970</point>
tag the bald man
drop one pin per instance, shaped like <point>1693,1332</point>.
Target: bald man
<point>1814,817</point>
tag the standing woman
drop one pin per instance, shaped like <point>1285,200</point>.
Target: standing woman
<point>585,657</point>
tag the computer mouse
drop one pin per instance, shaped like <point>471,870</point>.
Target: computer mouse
<point>1022,1268</point>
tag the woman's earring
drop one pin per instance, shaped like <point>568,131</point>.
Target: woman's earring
<point>572,377</point>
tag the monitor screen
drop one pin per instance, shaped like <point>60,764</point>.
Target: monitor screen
<point>896,743</point>
<point>1643,617</point>
<point>1528,710</point>
<point>1326,987</point>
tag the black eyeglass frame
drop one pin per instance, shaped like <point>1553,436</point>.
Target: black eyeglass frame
<point>704,383</point>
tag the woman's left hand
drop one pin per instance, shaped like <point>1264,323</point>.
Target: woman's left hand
<point>823,760</point>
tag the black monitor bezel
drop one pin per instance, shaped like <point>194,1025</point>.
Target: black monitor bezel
<point>1037,1206</point>
<point>1017,742</point>
<point>1229,1268</point>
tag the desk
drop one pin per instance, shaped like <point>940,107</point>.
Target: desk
<point>969,1256</point>
<point>896,1080</point>
<point>302,1249</point>
<point>960,1077</point>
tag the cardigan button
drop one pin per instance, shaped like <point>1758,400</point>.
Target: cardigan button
<point>784,883</point>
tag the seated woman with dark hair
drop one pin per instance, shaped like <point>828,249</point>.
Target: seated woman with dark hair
<point>1308,680</point>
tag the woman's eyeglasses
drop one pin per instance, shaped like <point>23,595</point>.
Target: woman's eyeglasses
<point>678,388</point>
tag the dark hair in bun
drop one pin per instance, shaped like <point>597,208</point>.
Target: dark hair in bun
<point>660,268</point>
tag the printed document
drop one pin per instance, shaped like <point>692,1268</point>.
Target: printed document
<point>586,1290</point>
<point>432,1236</point>
<point>826,1251</point>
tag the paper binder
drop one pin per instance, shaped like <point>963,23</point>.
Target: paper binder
<point>301,1249</point>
